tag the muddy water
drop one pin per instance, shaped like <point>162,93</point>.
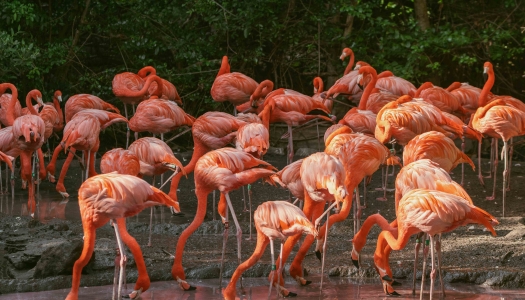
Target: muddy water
<point>257,288</point>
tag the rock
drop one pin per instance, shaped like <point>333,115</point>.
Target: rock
<point>505,257</point>
<point>516,234</point>
<point>59,258</point>
<point>30,255</point>
<point>105,253</point>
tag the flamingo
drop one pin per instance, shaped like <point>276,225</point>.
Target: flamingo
<point>169,91</point>
<point>273,220</point>
<point>114,197</point>
<point>346,85</point>
<point>432,212</point>
<point>121,161</point>
<point>253,138</point>
<point>235,87</point>
<point>81,133</point>
<point>423,173</point>
<point>467,95</point>
<point>323,178</point>
<point>48,113</point>
<point>290,177</point>
<point>394,84</point>
<point>437,147</point>
<point>501,117</point>
<point>318,94</point>
<point>212,130</point>
<point>159,116</point>
<point>57,98</point>
<point>441,98</point>
<point>224,169</point>
<point>6,101</point>
<point>155,158</point>
<point>80,102</point>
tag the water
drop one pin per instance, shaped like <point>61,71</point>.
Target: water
<point>257,288</point>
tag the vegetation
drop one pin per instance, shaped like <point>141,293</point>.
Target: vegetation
<point>77,46</point>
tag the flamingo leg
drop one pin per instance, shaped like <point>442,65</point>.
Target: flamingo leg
<point>511,152</point>
<point>416,255</point>
<point>143,281</point>
<point>495,169</point>
<point>87,252</point>
<point>438,251</point>
<point>87,164</point>
<point>462,164</point>
<point>425,256</point>
<point>290,145</point>
<point>385,184</point>
<point>244,199</point>
<point>505,172</point>
<point>250,209</point>
<point>214,212</point>
<point>273,269</point>
<point>151,216</point>
<point>239,231</point>
<point>433,272</point>
<point>122,259</point>
<point>224,241</point>
<point>491,172</point>
<point>136,134</point>
<point>480,176</point>
<point>324,250</point>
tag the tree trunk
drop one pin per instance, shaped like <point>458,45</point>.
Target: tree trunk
<point>420,8</point>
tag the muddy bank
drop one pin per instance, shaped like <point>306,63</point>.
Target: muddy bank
<point>38,255</point>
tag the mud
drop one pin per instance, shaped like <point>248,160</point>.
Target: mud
<point>28,247</point>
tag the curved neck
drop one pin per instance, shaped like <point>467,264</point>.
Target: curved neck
<point>32,95</point>
<point>370,86</point>
<point>453,86</point>
<point>146,71</point>
<point>56,104</point>
<point>483,96</point>
<point>350,63</point>
<point>225,66</point>
<point>423,87</point>
<point>144,90</point>
<point>266,86</point>
<point>11,108</point>
<point>385,74</point>
<point>318,85</point>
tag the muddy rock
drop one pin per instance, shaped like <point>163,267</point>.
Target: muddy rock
<point>518,233</point>
<point>59,258</point>
<point>29,257</point>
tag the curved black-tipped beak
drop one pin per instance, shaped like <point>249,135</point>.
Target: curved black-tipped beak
<point>179,214</point>
<point>356,263</point>
<point>318,255</point>
<point>386,278</point>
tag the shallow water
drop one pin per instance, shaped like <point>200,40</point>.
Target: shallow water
<point>257,288</point>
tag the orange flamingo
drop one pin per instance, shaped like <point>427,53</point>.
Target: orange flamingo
<point>224,169</point>
<point>82,133</point>
<point>253,138</point>
<point>441,98</point>
<point>121,161</point>
<point>6,100</point>
<point>233,87</point>
<point>323,178</point>
<point>318,94</point>
<point>423,173</point>
<point>158,116</point>
<point>155,158</point>
<point>432,212</point>
<point>169,91</point>
<point>290,177</point>
<point>114,197</point>
<point>436,147</point>
<point>48,113</point>
<point>80,102</point>
<point>57,98</point>
<point>395,85</point>
<point>212,130</point>
<point>273,220</point>
<point>467,95</point>
<point>497,117</point>
<point>346,85</point>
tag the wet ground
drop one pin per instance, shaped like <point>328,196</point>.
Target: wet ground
<point>333,288</point>
<point>471,255</point>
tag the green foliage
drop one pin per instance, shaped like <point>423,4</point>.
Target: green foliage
<point>48,45</point>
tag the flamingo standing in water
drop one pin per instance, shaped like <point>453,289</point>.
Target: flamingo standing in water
<point>323,177</point>
<point>432,212</point>
<point>155,158</point>
<point>273,220</point>
<point>224,169</point>
<point>159,116</point>
<point>233,87</point>
<point>115,197</point>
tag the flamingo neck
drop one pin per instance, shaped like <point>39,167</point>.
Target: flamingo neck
<point>56,104</point>
<point>147,71</point>
<point>368,90</point>
<point>453,86</point>
<point>11,116</point>
<point>423,87</point>
<point>29,103</point>
<point>350,63</point>
<point>483,96</point>
<point>225,66</point>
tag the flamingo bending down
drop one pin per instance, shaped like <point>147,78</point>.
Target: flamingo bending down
<point>273,220</point>
<point>121,161</point>
<point>323,178</point>
<point>233,87</point>
<point>115,197</point>
<point>212,130</point>
<point>432,212</point>
<point>224,169</point>
<point>290,177</point>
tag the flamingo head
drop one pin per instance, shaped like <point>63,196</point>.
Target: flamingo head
<point>58,95</point>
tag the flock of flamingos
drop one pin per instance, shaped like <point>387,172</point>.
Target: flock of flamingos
<point>391,110</point>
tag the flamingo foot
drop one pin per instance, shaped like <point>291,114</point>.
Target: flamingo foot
<point>185,286</point>
<point>64,194</point>
<point>301,281</point>
<point>24,184</point>
<point>50,177</point>
<point>284,292</point>
<point>134,295</point>
<point>490,198</point>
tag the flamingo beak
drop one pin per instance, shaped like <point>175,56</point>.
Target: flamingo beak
<point>59,98</point>
<point>39,101</point>
<point>343,55</point>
